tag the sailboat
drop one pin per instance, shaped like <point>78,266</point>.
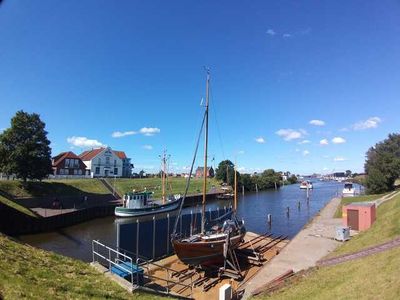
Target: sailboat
<point>140,203</point>
<point>210,245</point>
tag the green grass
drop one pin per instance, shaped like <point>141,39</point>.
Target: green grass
<point>69,187</point>
<point>176,184</point>
<point>30,273</point>
<point>347,200</point>
<point>18,207</point>
<point>373,277</point>
<point>385,228</point>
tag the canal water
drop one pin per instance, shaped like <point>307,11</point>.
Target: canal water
<point>75,241</point>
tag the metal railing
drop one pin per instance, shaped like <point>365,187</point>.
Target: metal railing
<point>109,257</point>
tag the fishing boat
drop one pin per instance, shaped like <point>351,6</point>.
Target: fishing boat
<point>141,203</point>
<point>306,185</point>
<point>348,190</point>
<point>136,204</point>
<point>215,239</point>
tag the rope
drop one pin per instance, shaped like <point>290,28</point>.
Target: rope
<point>190,176</point>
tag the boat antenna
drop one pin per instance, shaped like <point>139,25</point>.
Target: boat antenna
<point>203,209</point>
<point>173,235</point>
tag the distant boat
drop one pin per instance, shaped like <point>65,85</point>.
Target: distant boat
<point>138,204</point>
<point>306,185</point>
<point>348,190</point>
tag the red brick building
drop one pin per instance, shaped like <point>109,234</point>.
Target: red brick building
<point>200,172</point>
<point>68,163</point>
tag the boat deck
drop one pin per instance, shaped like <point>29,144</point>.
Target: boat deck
<point>252,255</point>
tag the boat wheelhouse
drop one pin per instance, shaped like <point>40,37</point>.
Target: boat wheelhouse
<point>137,204</point>
<point>348,190</point>
<point>306,184</point>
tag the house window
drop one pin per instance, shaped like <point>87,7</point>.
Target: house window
<point>75,171</point>
<point>76,163</point>
<point>107,160</point>
<point>97,171</point>
<point>115,171</point>
<point>66,162</point>
<point>80,172</point>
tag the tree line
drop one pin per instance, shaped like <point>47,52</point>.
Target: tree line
<point>266,180</point>
<point>25,152</point>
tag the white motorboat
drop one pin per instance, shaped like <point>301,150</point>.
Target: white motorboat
<point>348,190</point>
<point>306,184</point>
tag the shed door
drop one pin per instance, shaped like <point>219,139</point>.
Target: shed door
<point>352,218</point>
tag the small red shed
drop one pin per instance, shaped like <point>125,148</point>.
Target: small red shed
<point>359,215</point>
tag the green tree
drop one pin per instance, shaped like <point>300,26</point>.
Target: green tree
<point>247,181</point>
<point>225,168</point>
<point>292,179</point>
<point>383,165</point>
<point>24,148</point>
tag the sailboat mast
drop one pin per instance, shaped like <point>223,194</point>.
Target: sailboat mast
<point>235,193</point>
<point>203,210</point>
<point>163,178</point>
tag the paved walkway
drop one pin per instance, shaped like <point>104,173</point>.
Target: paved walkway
<point>310,245</point>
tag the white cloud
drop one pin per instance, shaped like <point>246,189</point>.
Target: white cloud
<point>325,169</point>
<point>339,158</point>
<point>260,140</point>
<point>149,131</point>
<point>84,142</point>
<point>338,140</point>
<point>372,122</point>
<point>317,122</point>
<point>240,169</point>
<point>286,35</point>
<point>323,142</point>
<point>271,32</point>
<point>304,142</point>
<point>306,152</point>
<point>148,147</point>
<point>241,152</point>
<point>297,150</point>
<point>291,134</point>
<point>118,134</point>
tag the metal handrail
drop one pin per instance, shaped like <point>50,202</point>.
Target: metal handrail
<point>145,263</point>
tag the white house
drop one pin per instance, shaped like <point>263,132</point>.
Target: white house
<point>105,162</point>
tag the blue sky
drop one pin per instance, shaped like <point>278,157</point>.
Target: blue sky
<point>94,68</point>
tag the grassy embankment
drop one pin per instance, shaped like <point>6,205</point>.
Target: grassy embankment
<point>176,185</point>
<point>45,188</point>
<point>373,277</point>
<point>48,188</point>
<point>27,272</point>
<point>347,200</point>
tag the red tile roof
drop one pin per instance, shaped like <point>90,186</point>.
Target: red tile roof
<point>120,154</point>
<point>88,155</point>
<point>60,157</point>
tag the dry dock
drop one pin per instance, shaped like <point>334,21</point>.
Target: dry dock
<point>170,275</point>
<point>206,286</point>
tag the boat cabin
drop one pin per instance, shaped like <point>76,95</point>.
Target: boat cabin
<point>348,185</point>
<point>137,199</point>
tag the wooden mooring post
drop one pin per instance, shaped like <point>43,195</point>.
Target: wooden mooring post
<point>287,211</point>
<point>269,220</point>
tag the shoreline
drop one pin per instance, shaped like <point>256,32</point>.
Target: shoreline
<point>313,242</point>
